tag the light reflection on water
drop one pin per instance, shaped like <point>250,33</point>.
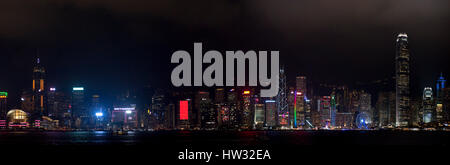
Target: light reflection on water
<point>220,137</point>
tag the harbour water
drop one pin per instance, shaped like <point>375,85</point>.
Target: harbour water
<point>283,145</point>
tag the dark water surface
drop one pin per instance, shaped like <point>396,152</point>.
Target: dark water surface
<point>284,146</point>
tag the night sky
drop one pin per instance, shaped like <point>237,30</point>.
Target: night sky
<point>109,45</point>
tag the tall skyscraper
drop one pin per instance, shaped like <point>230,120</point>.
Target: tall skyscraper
<point>300,113</point>
<point>386,108</point>
<point>282,101</point>
<point>446,105</point>
<point>208,115</point>
<point>428,110</point>
<point>200,100</point>
<point>291,106</point>
<point>270,113</point>
<point>333,110</point>
<point>301,84</point>
<point>258,122</point>
<point>57,104</point>
<point>440,85</point>
<point>219,97</point>
<point>159,117</point>
<point>229,113</point>
<point>247,113</point>
<point>402,59</point>
<point>78,107</point>
<point>38,91</point>
<point>324,107</point>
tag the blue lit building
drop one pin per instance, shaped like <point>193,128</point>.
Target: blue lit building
<point>440,107</point>
<point>440,85</point>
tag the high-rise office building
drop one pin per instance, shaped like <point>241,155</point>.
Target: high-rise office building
<point>97,111</point>
<point>200,98</point>
<point>291,98</point>
<point>402,73</point>
<point>79,112</point>
<point>38,91</point>
<point>386,109</point>
<point>324,108</point>
<point>208,115</point>
<point>57,104</point>
<point>354,102</point>
<point>440,86</point>
<point>259,116</point>
<point>247,109</point>
<point>446,105</point>
<point>229,112</point>
<point>428,109</point>
<point>159,117</point>
<point>270,113</point>
<point>301,84</point>
<point>333,110</point>
<point>300,113</point>
<point>124,117</point>
<point>365,101</point>
<point>219,96</point>
<point>219,103</point>
<point>282,101</point>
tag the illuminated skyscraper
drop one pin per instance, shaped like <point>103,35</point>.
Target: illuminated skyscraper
<point>301,84</point>
<point>324,107</point>
<point>386,108</point>
<point>270,113</point>
<point>291,104</point>
<point>229,112</point>
<point>428,106</point>
<point>402,59</point>
<point>282,101</point>
<point>219,97</point>
<point>38,91</point>
<point>247,113</point>
<point>200,100</point>
<point>333,110</point>
<point>259,116</point>
<point>446,105</point>
<point>78,107</point>
<point>440,85</point>
<point>208,114</point>
<point>97,112</point>
<point>300,112</point>
<point>57,104</point>
<point>159,113</point>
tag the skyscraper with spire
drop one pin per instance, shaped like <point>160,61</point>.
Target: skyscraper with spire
<point>282,101</point>
<point>440,85</point>
<point>402,84</point>
<point>440,108</point>
<point>38,90</point>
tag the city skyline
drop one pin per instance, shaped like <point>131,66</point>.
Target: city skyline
<point>335,107</point>
<point>224,81</point>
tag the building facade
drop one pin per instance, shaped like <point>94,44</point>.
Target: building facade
<point>402,73</point>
